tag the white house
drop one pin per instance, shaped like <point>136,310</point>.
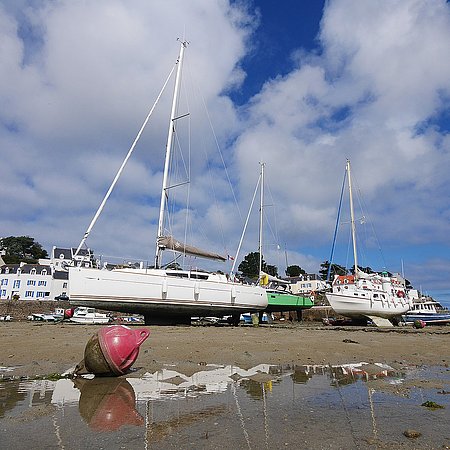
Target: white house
<point>30,282</point>
<point>47,280</point>
<point>305,284</point>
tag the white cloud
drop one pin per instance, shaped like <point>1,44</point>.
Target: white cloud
<point>382,76</point>
<point>78,78</point>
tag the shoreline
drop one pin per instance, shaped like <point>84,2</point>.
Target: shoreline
<point>39,349</point>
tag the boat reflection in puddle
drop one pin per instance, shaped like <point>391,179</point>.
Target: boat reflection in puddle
<point>308,406</point>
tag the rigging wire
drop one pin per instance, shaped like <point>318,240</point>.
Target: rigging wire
<point>365,219</point>
<point>361,232</point>
<point>210,167</point>
<point>338,218</point>
<point>119,172</point>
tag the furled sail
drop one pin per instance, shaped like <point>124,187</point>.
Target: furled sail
<point>170,243</point>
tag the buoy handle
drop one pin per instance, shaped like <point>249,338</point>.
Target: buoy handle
<point>143,335</point>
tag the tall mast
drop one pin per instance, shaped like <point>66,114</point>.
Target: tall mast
<point>261,204</point>
<point>119,172</point>
<point>170,135</point>
<point>352,218</point>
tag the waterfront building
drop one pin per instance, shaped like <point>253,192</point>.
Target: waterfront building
<point>46,280</point>
<point>306,284</point>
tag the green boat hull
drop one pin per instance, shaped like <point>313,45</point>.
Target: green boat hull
<point>279,301</point>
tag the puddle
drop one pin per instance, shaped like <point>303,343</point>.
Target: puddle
<point>349,406</point>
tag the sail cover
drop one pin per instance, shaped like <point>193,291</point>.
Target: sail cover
<point>265,278</point>
<point>170,243</point>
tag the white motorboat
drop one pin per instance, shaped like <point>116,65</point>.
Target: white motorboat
<point>89,316</point>
<point>429,311</point>
<point>162,295</point>
<point>43,317</point>
<point>374,296</point>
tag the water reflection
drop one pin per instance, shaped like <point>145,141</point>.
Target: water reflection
<point>232,407</point>
<point>107,404</point>
<point>105,396</point>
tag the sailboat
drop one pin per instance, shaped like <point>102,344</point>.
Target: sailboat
<point>160,294</point>
<point>381,298</point>
<point>279,297</point>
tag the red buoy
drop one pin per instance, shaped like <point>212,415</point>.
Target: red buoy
<point>112,350</point>
<point>418,323</point>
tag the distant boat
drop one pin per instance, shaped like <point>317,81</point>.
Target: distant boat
<point>89,316</point>
<point>280,300</point>
<point>362,295</point>
<point>429,311</point>
<point>43,317</point>
<point>56,316</point>
<point>162,295</point>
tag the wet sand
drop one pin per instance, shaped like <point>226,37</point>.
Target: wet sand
<point>40,349</point>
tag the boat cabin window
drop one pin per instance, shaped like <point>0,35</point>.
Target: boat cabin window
<point>375,295</point>
<point>178,274</point>
<point>181,274</point>
<point>199,276</point>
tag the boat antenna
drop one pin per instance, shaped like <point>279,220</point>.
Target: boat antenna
<point>170,134</point>
<point>119,172</point>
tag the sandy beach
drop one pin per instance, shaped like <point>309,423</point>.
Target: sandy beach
<point>38,349</point>
<point>205,387</point>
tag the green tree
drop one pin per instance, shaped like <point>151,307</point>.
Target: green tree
<point>336,269</point>
<point>362,269</point>
<point>295,271</point>
<point>249,267</point>
<point>21,249</point>
<point>271,270</point>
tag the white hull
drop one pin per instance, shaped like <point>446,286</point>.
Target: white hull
<point>89,316</point>
<point>367,306</point>
<point>159,293</point>
<point>437,318</point>
<point>90,320</point>
<point>429,311</point>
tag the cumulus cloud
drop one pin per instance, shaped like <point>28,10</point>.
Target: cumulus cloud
<point>78,78</point>
<point>373,95</point>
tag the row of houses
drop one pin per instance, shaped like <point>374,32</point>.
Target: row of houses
<point>46,280</point>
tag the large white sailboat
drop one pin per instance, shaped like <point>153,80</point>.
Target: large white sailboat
<point>162,295</point>
<point>364,295</point>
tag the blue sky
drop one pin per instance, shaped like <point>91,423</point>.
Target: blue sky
<point>281,29</point>
<point>299,85</point>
